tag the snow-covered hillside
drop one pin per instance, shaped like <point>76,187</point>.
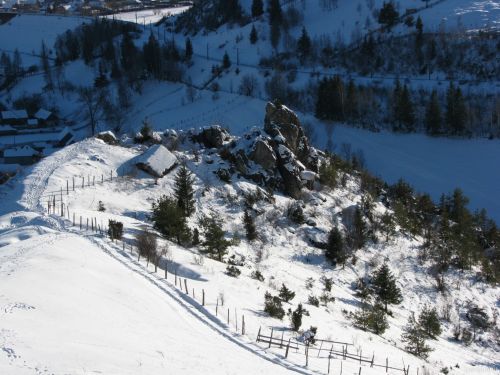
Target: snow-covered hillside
<point>96,286</point>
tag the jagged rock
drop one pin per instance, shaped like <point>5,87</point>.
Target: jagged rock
<point>280,120</point>
<point>212,136</point>
<point>240,162</point>
<point>107,137</point>
<point>263,154</point>
<point>317,237</point>
<point>290,169</point>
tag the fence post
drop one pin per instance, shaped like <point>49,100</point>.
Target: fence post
<point>87,223</point>
<point>73,178</point>
<point>360,352</point>
<point>228,316</point>
<point>307,354</point>
<point>258,335</point>
<point>271,338</point>
<point>359,370</point>
<point>287,348</point>
<point>175,271</point>
<point>386,364</point>
<point>67,187</point>
<point>102,179</point>
<point>166,270</point>
<point>281,342</point>
<point>194,297</point>
<point>203,297</point>
<point>243,325</point>
<point>73,219</point>
<point>373,359</point>
<point>93,180</point>
<point>83,182</point>
<point>217,307</point>
<point>341,367</point>
<point>320,347</point>
<point>186,286</point>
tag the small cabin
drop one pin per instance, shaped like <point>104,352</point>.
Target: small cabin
<point>15,117</point>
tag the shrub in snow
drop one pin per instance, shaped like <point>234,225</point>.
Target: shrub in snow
<point>326,298</point>
<point>223,174</point>
<point>214,245</point>
<point>295,213</point>
<point>257,275</point>
<point>313,300</point>
<point>251,231</point>
<point>371,318</point>
<point>100,207</point>
<point>327,283</point>
<point>115,230</point>
<point>286,294</point>
<point>478,319</point>
<point>336,251</point>
<point>146,244</point>
<point>233,271</point>
<point>273,306</point>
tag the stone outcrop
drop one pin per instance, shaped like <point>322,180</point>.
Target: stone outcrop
<point>212,136</point>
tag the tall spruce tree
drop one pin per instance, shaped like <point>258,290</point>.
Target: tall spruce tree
<point>226,61</point>
<point>275,12</point>
<point>251,231</point>
<point>385,288</point>
<point>429,322</point>
<point>304,45</point>
<point>257,8</point>
<point>456,113</point>
<point>433,115</point>
<point>388,15</point>
<point>183,190</point>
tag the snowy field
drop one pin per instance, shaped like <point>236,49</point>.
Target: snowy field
<point>145,17</point>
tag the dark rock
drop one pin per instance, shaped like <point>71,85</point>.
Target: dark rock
<point>107,137</point>
<point>280,120</point>
<point>263,154</point>
<point>212,136</point>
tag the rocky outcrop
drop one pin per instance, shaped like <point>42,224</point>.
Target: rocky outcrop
<point>280,120</point>
<point>212,136</point>
<point>263,154</point>
<point>108,137</point>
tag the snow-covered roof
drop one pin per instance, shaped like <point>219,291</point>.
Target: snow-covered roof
<point>43,114</point>
<point>20,151</point>
<point>6,128</point>
<point>32,121</point>
<point>14,115</point>
<point>157,160</point>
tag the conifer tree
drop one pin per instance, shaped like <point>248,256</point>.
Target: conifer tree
<point>414,338</point>
<point>214,244</point>
<point>304,45</point>
<point>275,12</point>
<point>257,8</point>
<point>296,317</point>
<point>335,248</point>
<point>358,230</point>
<point>286,294</point>
<point>388,15</point>
<point>226,61</point>
<point>188,50</point>
<point>433,115</point>
<point>385,288</point>
<point>251,232</point>
<point>183,190</point>
<point>253,35</point>
<point>455,110</point>
<point>429,322</point>
<point>169,220</point>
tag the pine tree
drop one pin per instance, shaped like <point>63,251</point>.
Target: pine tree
<point>433,115</point>
<point>456,113</point>
<point>385,288</point>
<point>296,318</point>
<point>128,52</point>
<point>335,248</point>
<point>419,37</point>
<point>253,35</point>
<point>44,56</point>
<point>214,244</point>
<point>406,110</point>
<point>275,12</point>
<point>226,61</point>
<point>414,337</point>
<point>169,220</point>
<point>250,229</point>
<point>286,294</point>
<point>183,190</point>
<point>371,318</point>
<point>429,322</point>
<point>351,102</point>
<point>257,8</point>
<point>196,237</point>
<point>358,230</point>
<point>304,45</point>
<point>188,54</point>
<point>388,15</point>
<point>275,35</point>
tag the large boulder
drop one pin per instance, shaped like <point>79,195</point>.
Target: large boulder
<point>212,136</point>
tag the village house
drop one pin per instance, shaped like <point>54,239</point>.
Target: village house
<point>23,155</point>
<point>14,117</point>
